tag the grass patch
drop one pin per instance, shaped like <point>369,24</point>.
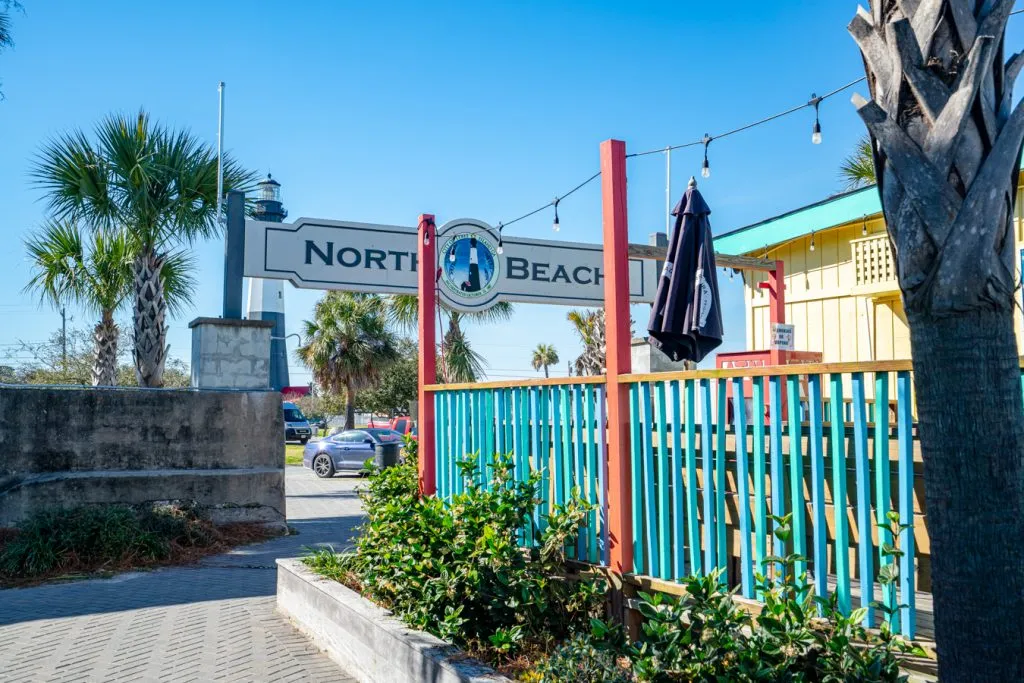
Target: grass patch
<point>113,538</point>
<point>293,454</point>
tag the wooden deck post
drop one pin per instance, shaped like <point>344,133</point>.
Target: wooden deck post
<point>776,286</point>
<point>427,278</point>
<point>618,360</point>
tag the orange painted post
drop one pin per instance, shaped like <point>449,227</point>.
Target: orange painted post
<point>427,278</point>
<point>618,360</point>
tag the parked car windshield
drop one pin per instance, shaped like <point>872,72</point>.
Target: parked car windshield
<point>293,415</point>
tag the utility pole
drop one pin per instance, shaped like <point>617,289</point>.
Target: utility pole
<point>63,339</point>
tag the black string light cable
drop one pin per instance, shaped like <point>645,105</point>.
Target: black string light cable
<point>705,141</point>
<point>816,138</point>
<point>814,102</point>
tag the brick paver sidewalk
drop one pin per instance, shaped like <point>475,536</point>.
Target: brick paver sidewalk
<point>212,622</point>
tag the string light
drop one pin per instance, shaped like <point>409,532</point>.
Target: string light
<point>864,229</point>
<point>451,255</point>
<point>555,226</point>
<point>501,242</point>
<point>815,102</point>
<point>705,170</point>
<point>812,240</point>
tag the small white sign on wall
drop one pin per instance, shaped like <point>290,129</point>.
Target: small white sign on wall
<point>782,337</point>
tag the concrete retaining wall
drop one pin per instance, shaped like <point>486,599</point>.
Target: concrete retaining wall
<point>69,446</point>
<point>365,639</point>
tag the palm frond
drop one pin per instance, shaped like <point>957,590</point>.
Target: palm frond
<point>858,169</point>
<point>58,263</point>
<point>348,342</point>
<point>545,355</point>
<point>459,362</point>
<point>109,270</point>
<point>179,281</point>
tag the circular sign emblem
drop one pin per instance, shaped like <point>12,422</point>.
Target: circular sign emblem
<point>469,265</point>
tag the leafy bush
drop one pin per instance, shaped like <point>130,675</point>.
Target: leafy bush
<point>706,636</point>
<point>456,569</point>
<point>98,537</point>
<point>588,658</point>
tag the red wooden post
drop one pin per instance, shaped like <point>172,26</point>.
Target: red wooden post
<point>426,271</point>
<point>776,286</point>
<point>618,360</point>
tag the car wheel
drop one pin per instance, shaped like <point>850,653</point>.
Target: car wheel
<point>303,441</point>
<point>323,467</point>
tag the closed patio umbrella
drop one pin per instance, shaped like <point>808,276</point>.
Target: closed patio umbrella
<point>686,319</point>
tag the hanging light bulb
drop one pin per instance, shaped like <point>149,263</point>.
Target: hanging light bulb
<point>812,240</point>
<point>864,229</point>
<point>451,255</point>
<point>705,170</point>
<point>555,226</point>
<point>816,133</point>
<point>426,238</point>
<point>731,273</point>
<point>501,243</point>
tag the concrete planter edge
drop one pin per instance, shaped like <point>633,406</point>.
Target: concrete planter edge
<point>366,640</point>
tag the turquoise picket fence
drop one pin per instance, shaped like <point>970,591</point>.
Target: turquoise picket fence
<point>554,429</point>
<point>717,457</point>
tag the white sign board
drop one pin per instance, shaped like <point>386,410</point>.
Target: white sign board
<point>782,337</point>
<point>362,257</point>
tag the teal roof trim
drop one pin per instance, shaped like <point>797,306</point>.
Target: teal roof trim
<point>830,213</point>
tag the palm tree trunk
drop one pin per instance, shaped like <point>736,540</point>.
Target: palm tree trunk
<point>973,450</point>
<point>546,374</point>
<point>150,319</point>
<point>104,364</point>
<point>350,406</point>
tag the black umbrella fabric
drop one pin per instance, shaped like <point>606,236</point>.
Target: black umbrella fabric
<point>686,319</point>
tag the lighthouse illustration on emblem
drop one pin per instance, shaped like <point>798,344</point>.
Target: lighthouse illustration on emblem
<point>472,284</point>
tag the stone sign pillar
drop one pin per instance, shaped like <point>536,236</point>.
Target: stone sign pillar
<point>229,353</point>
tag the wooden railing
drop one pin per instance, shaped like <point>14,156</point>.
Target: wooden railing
<point>715,455</point>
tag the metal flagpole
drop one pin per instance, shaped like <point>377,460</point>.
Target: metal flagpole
<point>220,152</point>
<point>668,190</point>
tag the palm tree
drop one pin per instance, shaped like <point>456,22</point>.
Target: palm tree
<point>156,184</point>
<point>858,169</point>
<point>98,277</point>
<point>544,356</point>
<point>590,327</point>
<point>348,345</point>
<point>458,362</point>
<point>947,136</point>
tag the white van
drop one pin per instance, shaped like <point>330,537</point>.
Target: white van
<point>296,426</point>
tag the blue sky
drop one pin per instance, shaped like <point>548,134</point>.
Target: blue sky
<point>377,112</point>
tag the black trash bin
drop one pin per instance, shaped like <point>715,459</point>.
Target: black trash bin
<point>386,455</point>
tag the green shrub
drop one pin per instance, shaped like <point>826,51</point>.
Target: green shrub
<point>96,537</point>
<point>456,569</point>
<point>706,636</point>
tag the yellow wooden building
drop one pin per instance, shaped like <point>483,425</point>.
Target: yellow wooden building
<point>841,292</point>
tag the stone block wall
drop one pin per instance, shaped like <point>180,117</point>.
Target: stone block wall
<point>70,446</point>
<point>230,354</point>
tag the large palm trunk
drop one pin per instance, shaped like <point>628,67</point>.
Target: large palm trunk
<point>947,142</point>
<point>972,441</point>
<point>104,364</point>
<point>350,406</point>
<point>150,319</point>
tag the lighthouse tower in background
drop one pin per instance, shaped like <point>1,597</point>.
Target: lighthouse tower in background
<point>266,297</point>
